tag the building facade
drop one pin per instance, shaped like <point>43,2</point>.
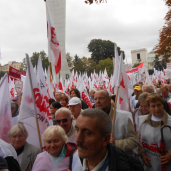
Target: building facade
<point>14,64</point>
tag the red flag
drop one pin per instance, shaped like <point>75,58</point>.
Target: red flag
<point>54,52</point>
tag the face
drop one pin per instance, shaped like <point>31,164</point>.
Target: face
<point>65,125</point>
<point>57,97</point>
<point>156,109</point>
<point>144,107</point>
<point>63,103</point>
<point>73,94</point>
<point>52,109</point>
<point>75,110</point>
<point>137,93</point>
<point>18,140</point>
<point>88,138</point>
<point>101,100</point>
<point>164,93</point>
<point>54,145</point>
<point>92,94</point>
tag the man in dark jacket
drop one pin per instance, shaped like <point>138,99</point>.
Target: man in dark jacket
<point>93,135</point>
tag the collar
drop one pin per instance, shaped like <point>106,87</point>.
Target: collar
<point>98,167</point>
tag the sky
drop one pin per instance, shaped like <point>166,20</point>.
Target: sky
<point>131,24</point>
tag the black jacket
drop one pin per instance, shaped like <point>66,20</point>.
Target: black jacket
<point>120,161</point>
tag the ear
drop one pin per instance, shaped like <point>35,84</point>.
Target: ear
<point>106,140</point>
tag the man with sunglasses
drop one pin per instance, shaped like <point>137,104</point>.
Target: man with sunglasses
<point>64,119</point>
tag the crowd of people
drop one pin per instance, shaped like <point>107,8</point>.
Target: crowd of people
<point>81,138</point>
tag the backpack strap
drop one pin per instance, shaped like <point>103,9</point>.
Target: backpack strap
<point>71,157</point>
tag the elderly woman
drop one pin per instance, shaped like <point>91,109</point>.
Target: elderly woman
<point>26,153</point>
<point>57,156</point>
<point>150,135</point>
<point>142,110</point>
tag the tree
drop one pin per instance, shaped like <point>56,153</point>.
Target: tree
<point>97,1</point>
<point>2,73</point>
<point>69,60</point>
<point>159,65</point>
<point>34,60</point>
<point>76,57</point>
<point>102,49</point>
<point>106,63</point>
<point>163,48</point>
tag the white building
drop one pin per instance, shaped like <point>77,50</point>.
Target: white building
<point>139,56</point>
<point>151,58</point>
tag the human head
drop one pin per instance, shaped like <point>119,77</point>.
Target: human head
<point>18,135</point>
<point>92,92</point>
<point>94,128</point>
<point>164,91</point>
<point>137,91</point>
<point>169,88</point>
<point>64,100</point>
<point>54,107</point>
<point>58,96</point>
<point>75,93</point>
<point>64,119</point>
<point>102,100</point>
<point>75,106</point>
<point>51,101</point>
<point>141,100</point>
<point>148,88</point>
<point>14,107</point>
<point>156,104</point>
<point>54,138</point>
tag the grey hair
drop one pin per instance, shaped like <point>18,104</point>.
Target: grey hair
<point>142,97</point>
<point>148,86</point>
<point>17,129</point>
<point>53,130</point>
<point>64,110</point>
<point>60,93</point>
<point>103,121</point>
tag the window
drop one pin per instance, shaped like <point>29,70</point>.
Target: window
<point>138,55</point>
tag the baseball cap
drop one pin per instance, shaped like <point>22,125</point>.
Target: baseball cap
<point>15,99</point>
<point>137,88</point>
<point>74,101</point>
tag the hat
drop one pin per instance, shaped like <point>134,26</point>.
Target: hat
<point>137,88</point>
<point>74,101</point>
<point>15,99</point>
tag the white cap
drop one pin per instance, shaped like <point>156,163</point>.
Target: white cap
<point>74,101</point>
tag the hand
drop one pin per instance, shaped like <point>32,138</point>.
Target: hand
<point>112,140</point>
<point>165,158</point>
<point>145,159</point>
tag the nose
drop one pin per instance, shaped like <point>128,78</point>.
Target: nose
<point>79,137</point>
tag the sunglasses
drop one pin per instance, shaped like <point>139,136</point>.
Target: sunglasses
<point>61,120</point>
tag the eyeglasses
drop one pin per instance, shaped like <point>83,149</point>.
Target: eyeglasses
<point>63,120</point>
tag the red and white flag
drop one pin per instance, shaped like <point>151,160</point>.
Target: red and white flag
<point>5,109</point>
<point>34,104</point>
<point>54,52</point>
<point>61,84</point>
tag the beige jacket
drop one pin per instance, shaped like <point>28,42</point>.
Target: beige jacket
<point>130,140</point>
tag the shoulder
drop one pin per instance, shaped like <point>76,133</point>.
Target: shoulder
<point>32,148</point>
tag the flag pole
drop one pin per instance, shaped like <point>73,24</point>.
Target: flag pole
<point>3,79</point>
<point>116,98</point>
<point>37,123</point>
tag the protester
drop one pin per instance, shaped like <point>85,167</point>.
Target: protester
<point>14,112</point>
<point>93,135</point>
<point>125,137</point>
<point>9,154</point>
<point>17,100</point>
<point>57,156</point>
<point>92,92</point>
<point>64,101</point>
<point>75,107</point>
<point>64,119</point>
<point>3,164</point>
<point>75,93</point>
<point>169,88</point>
<point>58,96</point>
<point>165,93</point>
<point>53,108</point>
<point>26,153</point>
<point>150,135</point>
<point>142,110</point>
<point>51,101</point>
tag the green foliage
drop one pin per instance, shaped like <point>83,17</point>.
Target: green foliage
<point>159,65</point>
<point>150,71</point>
<point>106,63</point>
<point>2,73</point>
<point>135,65</point>
<point>69,60</point>
<point>102,49</point>
<point>34,60</point>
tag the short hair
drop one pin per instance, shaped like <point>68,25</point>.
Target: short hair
<point>149,86</point>
<point>135,85</point>
<point>154,97</point>
<point>164,88</point>
<point>103,121</point>
<point>56,105</point>
<point>51,101</point>
<point>64,97</point>
<point>92,91</point>
<point>17,129</point>
<point>76,92</point>
<point>105,91</point>
<point>52,130</point>
<point>60,93</point>
<point>142,97</point>
<point>64,110</point>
